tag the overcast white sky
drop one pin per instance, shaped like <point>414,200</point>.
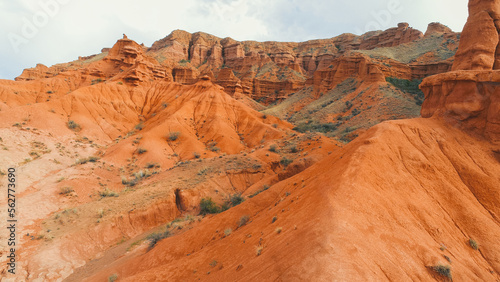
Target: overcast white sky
<point>55,31</point>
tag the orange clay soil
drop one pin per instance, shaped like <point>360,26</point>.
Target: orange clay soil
<point>402,198</point>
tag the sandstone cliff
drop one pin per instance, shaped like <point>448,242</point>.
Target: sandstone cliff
<point>267,71</point>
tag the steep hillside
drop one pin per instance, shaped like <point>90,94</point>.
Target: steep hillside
<point>426,191</point>
<point>407,200</point>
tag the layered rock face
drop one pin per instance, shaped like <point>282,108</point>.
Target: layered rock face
<point>469,96</point>
<point>270,71</point>
<point>266,71</point>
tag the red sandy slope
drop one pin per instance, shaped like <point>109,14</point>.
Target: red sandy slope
<point>379,209</point>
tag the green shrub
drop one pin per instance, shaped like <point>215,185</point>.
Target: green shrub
<point>355,112</point>
<point>95,81</point>
<point>208,206</point>
<point>130,183</point>
<point>473,244</point>
<point>157,237</point>
<point>234,200</point>
<point>113,277</point>
<point>212,146</point>
<point>443,270</point>
<point>140,126</point>
<point>172,136</point>
<point>285,161</point>
<point>73,125</point>
<point>92,159</point>
<point>152,165</point>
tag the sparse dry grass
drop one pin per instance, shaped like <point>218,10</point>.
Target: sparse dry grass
<point>66,190</point>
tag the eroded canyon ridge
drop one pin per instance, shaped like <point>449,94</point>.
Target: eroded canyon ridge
<point>202,158</point>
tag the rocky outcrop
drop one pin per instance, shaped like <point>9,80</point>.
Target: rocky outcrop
<point>357,65</point>
<point>127,61</point>
<point>228,80</point>
<point>184,75</point>
<point>392,37</point>
<point>38,72</point>
<point>480,41</point>
<point>437,29</point>
<point>469,97</point>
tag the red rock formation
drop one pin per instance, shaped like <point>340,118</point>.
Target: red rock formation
<point>392,37</point>
<point>38,72</point>
<point>216,60</point>
<point>266,71</point>
<point>480,42</point>
<point>469,96</point>
<point>437,29</point>
<point>228,80</point>
<point>357,65</point>
<point>184,75</point>
<point>127,61</point>
<point>469,99</point>
<point>247,59</point>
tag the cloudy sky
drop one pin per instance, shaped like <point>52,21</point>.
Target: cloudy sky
<point>55,31</point>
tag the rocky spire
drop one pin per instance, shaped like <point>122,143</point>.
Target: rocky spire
<point>479,47</point>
